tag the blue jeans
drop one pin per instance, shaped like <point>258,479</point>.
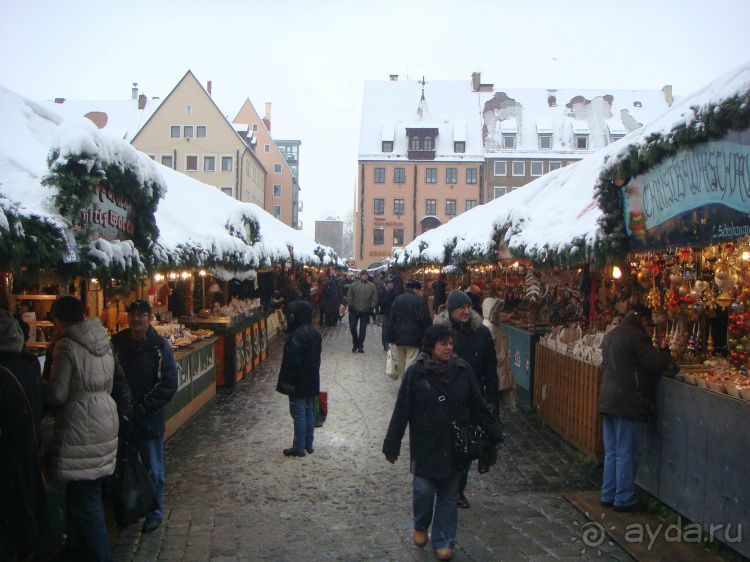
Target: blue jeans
<point>445,520</point>
<point>303,414</point>
<point>623,444</point>
<point>88,511</point>
<point>152,456</point>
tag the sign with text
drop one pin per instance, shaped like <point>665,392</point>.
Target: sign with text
<point>700,195</point>
<point>108,217</point>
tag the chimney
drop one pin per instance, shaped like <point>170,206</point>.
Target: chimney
<point>476,79</point>
<point>393,77</point>
<point>59,100</point>
<point>667,91</point>
<point>134,91</point>
<point>142,101</point>
<point>209,87</point>
<point>267,116</point>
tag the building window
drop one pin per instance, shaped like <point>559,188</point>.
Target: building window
<point>430,175</point>
<point>398,236</point>
<point>378,237</point>
<point>387,146</point>
<point>509,141</point>
<point>398,206</point>
<point>500,191</point>
<point>174,131</point>
<point>379,206</point>
<point>226,163</point>
<point>277,168</point>
<point>255,127</point>
<point>501,168</point>
<point>399,175</point>
<point>414,143</point>
<point>189,109</point>
<point>379,175</point>
<point>427,143</point>
<point>451,175</point>
<point>191,163</point>
<point>582,142</point>
<point>167,161</point>
<point>430,207</point>
<point>554,165</point>
<point>277,211</point>
<point>228,191</point>
<point>450,207</point>
<point>519,168</point>
<point>152,157</point>
<point>209,163</point>
<point>471,175</point>
<point>470,204</point>
<point>615,137</point>
<point>200,132</point>
<point>459,147</point>
<point>187,131</point>
<point>545,141</point>
<point>277,190</point>
<point>267,148</point>
<point>537,168</point>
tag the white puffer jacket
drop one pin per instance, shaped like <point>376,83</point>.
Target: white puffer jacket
<point>86,423</point>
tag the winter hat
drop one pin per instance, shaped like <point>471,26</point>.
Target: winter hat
<point>11,335</point>
<point>457,299</point>
<point>67,309</point>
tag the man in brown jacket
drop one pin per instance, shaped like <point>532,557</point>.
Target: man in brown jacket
<point>629,371</point>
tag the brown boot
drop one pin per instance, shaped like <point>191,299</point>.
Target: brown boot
<point>420,538</point>
<point>444,553</point>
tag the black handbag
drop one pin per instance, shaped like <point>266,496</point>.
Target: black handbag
<point>133,490</point>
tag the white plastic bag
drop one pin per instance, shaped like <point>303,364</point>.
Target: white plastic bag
<point>391,363</point>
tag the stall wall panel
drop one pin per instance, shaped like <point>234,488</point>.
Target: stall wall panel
<point>183,396</point>
<point>684,439</point>
<point>204,377</point>
<point>521,347</point>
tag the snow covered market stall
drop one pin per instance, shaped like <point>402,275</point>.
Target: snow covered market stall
<point>84,213</point>
<point>662,217</point>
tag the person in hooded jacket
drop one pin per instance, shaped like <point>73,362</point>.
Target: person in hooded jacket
<point>84,447</point>
<point>630,368</point>
<point>149,365</point>
<point>473,344</point>
<point>437,391</point>
<point>299,376</point>
<point>491,307</point>
<point>24,524</point>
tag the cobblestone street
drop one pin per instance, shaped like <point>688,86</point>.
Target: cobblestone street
<point>232,495</point>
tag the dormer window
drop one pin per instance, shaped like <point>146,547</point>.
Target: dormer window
<point>459,147</point>
<point>421,142</point>
<point>387,146</point>
<point>614,137</point>
<point>427,143</point>
<point>509,140</point>
<point>414,143</point>
<point>582,142</point>
<point>545,142</point>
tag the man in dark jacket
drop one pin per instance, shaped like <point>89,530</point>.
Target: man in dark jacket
<point>299,377</point>
<point>407,322</point>
<point>473,344</point>
<point>362,299</point>
<point>629,370</point>
<point>439,294</point>
<point>150,368</point>
<point>385,309</point>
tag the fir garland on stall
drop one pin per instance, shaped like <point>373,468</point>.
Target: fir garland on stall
<point>712,122</point>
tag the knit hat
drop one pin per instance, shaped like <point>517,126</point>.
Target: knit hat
<point>11,335</point>
<point>457,299</point>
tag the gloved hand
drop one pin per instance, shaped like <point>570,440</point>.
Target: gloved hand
<point>391,458</point>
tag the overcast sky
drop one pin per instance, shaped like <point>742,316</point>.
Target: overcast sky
<point>310,58</point>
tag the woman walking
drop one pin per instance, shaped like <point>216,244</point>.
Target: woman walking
<point>437,393</point>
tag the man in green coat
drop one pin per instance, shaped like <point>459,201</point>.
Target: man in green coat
<point>361,299</point>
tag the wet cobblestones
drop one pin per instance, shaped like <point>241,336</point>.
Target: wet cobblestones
<point>232,495</point>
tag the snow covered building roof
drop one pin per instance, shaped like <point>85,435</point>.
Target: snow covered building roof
<point>558,216</point>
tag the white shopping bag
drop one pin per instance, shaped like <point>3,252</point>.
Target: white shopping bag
<point>391,363</point>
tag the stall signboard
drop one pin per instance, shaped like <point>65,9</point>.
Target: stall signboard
<point>109,216</point>
<point>700,195</point>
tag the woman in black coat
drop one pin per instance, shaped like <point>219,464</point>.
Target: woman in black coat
<point>437,391</point>
<point>299,377</point>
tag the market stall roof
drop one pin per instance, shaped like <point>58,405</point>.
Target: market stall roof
<point>558,217</point>
<point>198,224</point>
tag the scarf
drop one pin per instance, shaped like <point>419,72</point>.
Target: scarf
<point>442,370</point>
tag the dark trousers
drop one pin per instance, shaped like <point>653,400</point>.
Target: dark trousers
<point>358,339</point>
<point>88,512</point>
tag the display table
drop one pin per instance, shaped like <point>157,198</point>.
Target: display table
<point>521,347</point>
<point>241,346</point>
<point>196,376</point>
<point>566,391</point>
<point>696,459</point>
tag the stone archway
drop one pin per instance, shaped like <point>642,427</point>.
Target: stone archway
<point>429,222</point>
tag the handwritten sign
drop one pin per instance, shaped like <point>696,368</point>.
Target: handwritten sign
<point>109,216</point>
